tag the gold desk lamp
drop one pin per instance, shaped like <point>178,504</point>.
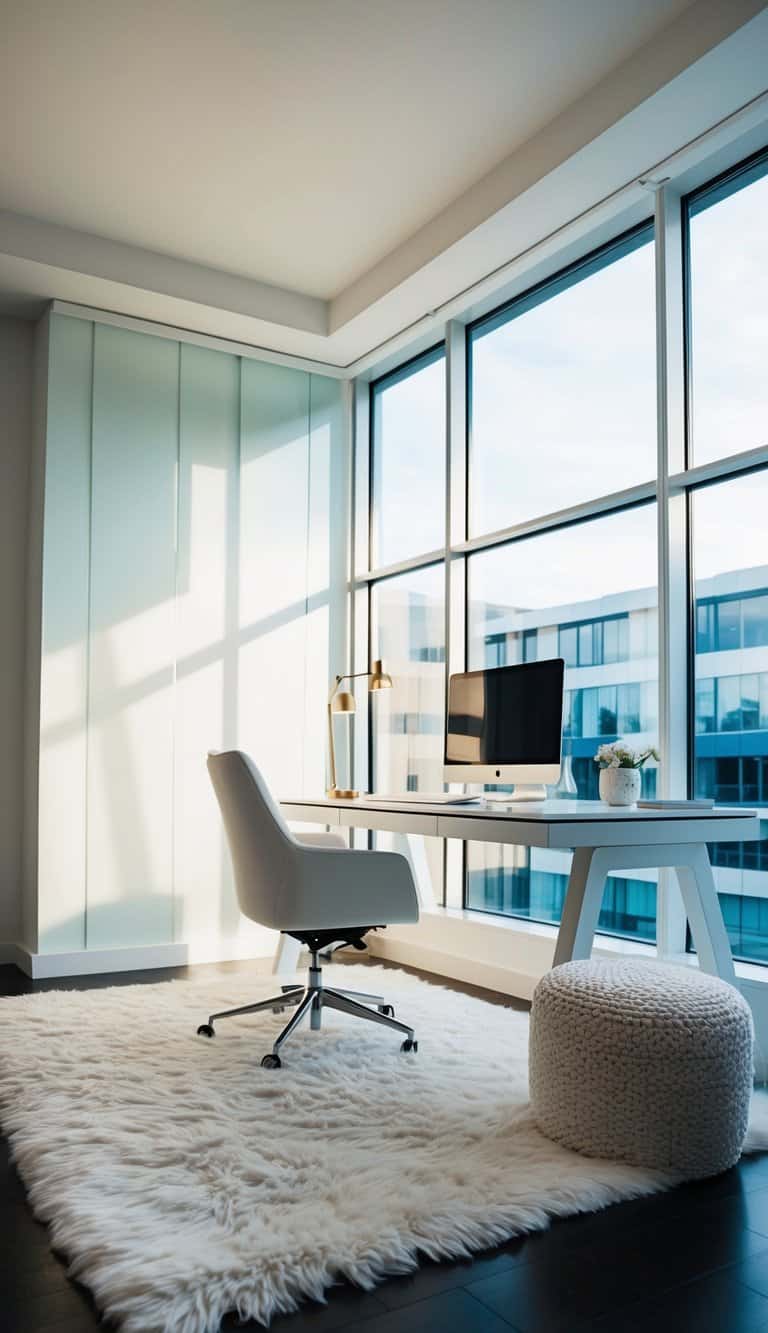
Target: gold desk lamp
<point>342,701</point>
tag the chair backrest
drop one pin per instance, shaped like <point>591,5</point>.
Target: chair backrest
<point>263,850</point>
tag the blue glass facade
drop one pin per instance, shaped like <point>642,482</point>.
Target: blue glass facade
<point>730,760</point>
<point>593,714</point>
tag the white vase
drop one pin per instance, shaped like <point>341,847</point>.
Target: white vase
<point>619,786</point>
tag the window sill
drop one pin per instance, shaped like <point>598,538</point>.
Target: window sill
<point>513,929</point>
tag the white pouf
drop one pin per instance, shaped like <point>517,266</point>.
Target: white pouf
<point>642,1062</point>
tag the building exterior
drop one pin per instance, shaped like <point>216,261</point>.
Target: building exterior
<point>611,651</point>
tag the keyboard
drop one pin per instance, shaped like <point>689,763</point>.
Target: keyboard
<point>423,797</point>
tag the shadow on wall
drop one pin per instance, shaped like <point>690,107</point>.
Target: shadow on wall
<point>214,525</point>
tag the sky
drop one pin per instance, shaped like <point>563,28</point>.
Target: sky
<point>564,410</point>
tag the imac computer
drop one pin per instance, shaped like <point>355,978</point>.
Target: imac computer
<point>505,725</point>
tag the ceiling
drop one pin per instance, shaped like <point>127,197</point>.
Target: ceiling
<point>294,142</point>
<point>299,143</point>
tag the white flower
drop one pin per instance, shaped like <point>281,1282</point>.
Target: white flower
<point>618,755</point>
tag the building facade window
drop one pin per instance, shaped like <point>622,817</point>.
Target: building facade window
<point>595,642</point>
<point>728,622</point>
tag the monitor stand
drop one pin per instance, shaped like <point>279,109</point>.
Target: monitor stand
<point>524,791</point>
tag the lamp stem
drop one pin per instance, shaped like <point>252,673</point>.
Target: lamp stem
<point>331,748</point>
<point>334,792</point>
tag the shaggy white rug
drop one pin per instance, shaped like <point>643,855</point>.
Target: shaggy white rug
<point>182,1180</point>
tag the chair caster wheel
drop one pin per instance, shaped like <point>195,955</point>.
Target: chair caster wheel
<point>205,1030</point>
<point>388,1010</point>
<point>409,1045</point>
<point>271,1062</point>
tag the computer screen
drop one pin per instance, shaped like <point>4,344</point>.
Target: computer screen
<point>507,715</point>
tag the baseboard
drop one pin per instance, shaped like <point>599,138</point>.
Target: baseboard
<point>259,948</point>
<point>488,975</point>
<point>505,955</point>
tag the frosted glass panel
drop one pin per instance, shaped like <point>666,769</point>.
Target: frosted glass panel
<point>206,634</point>
<point>64,664</point>
<point>194,599</point>
<point>274,453</point>
<point>130,750</point>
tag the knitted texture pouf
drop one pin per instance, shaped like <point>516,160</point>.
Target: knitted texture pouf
<point>642,1062</point>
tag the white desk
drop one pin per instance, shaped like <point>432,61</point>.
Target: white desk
<point>603,838</point>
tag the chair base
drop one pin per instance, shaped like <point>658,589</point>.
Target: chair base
<point>310,1000</point>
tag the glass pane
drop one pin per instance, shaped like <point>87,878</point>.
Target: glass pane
<point>730,549</point>
<point>568,645</point>
<point>729,319</point>
<point>408,633</point>
<point>705,705</point>
<point>728,617</point>
<point>755,613</point>
<point>750,703</point>
<point>728,703</point>
<point>705,627</point>
<point>559,581</point>
<point>563,394</point>
<point>630,709</point>
<point>586,639</point>
<point>408,464</point>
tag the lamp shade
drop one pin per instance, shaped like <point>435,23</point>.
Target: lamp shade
<point>379,680</point>
<point>344,702</point>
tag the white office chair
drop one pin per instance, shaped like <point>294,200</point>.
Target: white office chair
<point>313,888</point>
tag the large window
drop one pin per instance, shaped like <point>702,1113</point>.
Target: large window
<point>408,461</point>
<point>729,314</point>
<point>563,391</point>
<point>549,518</point>
<point>730,546</point>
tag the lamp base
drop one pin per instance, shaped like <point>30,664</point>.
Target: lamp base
<point>339,794</point>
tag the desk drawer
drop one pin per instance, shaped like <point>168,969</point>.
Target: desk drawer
<point>486,829</point>
<point>393,821</point>
<point>310,814</point>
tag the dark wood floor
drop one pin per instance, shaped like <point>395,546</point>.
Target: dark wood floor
<point>693,1259</point>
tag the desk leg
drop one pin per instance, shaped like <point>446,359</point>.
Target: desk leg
<point>411,845</point>
<point>286,956</point>
<point>583,900</point>
<point>702,907</point>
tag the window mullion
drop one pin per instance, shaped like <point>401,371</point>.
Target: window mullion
<point>455,567</point>
<point>672,539</point>
<point>360,629</point>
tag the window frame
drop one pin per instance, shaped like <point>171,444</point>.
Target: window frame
<point>696,477</point>
<point>672,488</point>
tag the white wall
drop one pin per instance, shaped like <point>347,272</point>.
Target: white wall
<point>193,598</point>
<point>15,443</point>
